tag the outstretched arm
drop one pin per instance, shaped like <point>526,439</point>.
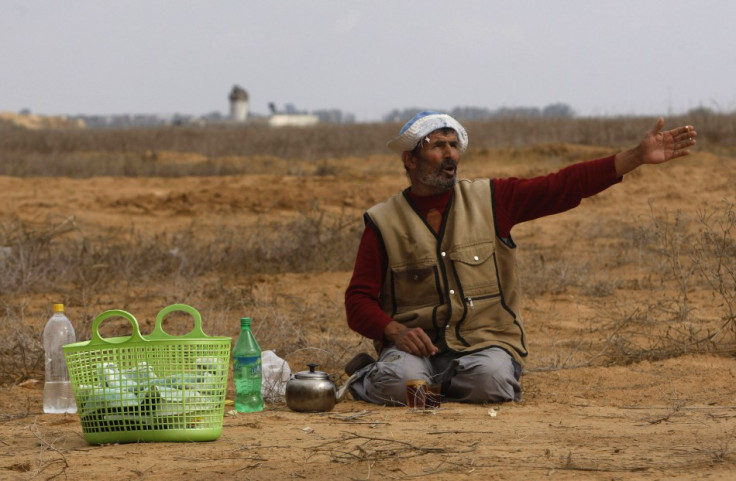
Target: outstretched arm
<point>657,147</point>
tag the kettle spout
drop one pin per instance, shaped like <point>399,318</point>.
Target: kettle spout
<point>344,388</point>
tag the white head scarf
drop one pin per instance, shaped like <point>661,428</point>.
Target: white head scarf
<point>423,124</point>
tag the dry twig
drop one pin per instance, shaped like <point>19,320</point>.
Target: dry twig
<point>49,446</point>
<point>375,448</point>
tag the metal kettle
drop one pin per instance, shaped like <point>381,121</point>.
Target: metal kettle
<point>314,391</point>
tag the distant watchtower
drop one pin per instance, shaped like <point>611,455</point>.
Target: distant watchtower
<point>238,104</point>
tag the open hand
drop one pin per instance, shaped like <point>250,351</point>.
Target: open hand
<point>658,147</point>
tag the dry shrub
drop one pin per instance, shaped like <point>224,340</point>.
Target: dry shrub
<point>700,261</point>
<point>85,270</point>
<point>37,256</point>
<point>21,350</point>
<point>714,257</point>
<point>679,296</point>
<point>553,272</point>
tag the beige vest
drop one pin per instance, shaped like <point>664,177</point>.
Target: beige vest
<point>460,286</point>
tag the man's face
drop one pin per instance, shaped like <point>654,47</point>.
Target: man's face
<point>432,167</point>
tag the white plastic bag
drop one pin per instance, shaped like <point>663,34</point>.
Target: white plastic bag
<point>276,373</point>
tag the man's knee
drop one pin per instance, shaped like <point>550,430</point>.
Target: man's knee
<point>386,380</point>
<point>491,376</point>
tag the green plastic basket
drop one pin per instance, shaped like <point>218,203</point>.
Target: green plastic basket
<point>150,388</point>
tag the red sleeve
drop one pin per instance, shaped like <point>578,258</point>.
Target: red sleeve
<point>362,307</point>
<point>519,200</point>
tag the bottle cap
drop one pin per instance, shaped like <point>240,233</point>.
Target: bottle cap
<point>244,321</point>
<point>58,308</point>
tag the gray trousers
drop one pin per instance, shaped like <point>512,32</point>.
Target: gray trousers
<point>490,375</point>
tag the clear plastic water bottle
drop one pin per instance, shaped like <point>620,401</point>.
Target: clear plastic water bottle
<point>58,395</point>
<point>247,370</point>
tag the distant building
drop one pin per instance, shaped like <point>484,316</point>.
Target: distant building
<point>296,120</point>
<point>291,117</point>
<point>238,104</point>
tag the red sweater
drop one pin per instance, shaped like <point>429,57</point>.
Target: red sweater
<point>515,200</point>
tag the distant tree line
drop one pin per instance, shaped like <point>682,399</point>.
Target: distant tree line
<point>326,116</point>
<point>335,116</point>
<point>556,110</point>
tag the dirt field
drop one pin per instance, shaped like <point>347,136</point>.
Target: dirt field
<point>587,411</point>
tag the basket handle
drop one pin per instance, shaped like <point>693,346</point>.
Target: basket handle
<point>158,330</point>
<point>98,339</point>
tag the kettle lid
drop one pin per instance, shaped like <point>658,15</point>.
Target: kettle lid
<point>311,374</point>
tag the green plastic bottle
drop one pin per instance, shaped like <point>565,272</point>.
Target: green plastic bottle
<point>247,370</point>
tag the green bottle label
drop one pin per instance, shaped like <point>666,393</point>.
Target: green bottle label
<point>248,366</point>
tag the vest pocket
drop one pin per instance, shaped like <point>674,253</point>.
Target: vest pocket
<point>475,269</point>
<point>488,315</point>
<point>415,286</point>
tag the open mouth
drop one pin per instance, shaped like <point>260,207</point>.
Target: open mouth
<point>449,168</point>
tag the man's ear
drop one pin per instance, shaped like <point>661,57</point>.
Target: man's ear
<point>407,157</point>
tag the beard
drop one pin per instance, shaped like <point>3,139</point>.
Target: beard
<point>442,178</point>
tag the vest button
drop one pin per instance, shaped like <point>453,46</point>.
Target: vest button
<point>475,258</point>
<point>443,254</point>
<point>452,292</point>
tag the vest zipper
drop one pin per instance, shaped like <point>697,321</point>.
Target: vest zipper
<point>469,300</point>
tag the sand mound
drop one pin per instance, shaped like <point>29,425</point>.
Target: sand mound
<point>10,120</point>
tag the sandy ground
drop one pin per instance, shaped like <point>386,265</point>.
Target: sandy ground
<point>579,419</point>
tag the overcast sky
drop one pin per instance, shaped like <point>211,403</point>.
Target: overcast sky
<point>644,57</point>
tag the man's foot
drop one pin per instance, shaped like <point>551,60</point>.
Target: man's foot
<point>358,362</point>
